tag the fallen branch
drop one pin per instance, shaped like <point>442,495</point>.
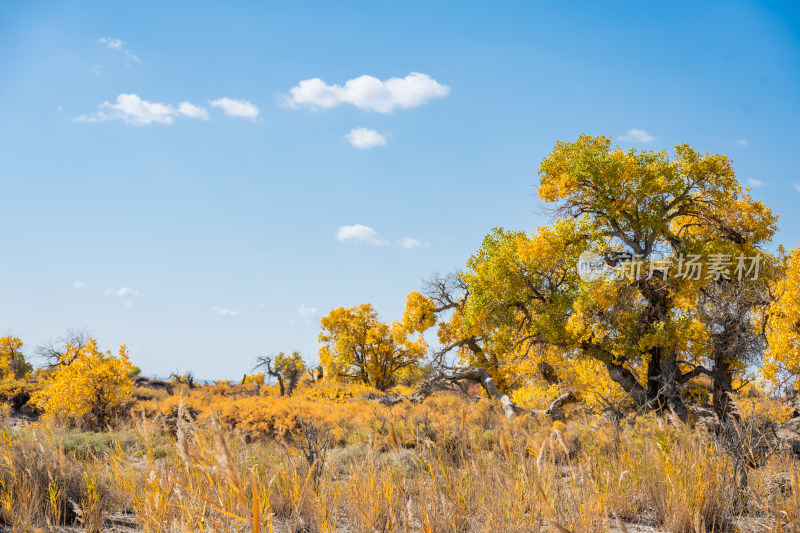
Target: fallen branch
<point>453,382</point>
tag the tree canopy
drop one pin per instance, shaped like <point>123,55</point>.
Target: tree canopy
<point>687,277</point>
<point>357,346</point>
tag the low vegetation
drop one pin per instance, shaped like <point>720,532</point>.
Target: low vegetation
<point>232,458</point>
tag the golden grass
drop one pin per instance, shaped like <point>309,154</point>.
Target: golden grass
<point>213,464</point>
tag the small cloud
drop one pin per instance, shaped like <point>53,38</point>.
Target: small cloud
<point>128,304</point>
<point>368,93</point>
<point>123,291</point>
<point>79,285</point>
<point>118,46</point>
<point>221,311</point>
<point>364,139</point>
<point>236,108</point>
<point>192,111</point>
<point>134,110</point>
<point>361,235</point>
<point>306,314</point>
<point>742,142</point>
<point>114,44</point>
<point>261,306</point>
<point>637,136</point>
<point>60,108</point>
<point>409,244</point>
<point>755,183</point>
<point>797,186</point>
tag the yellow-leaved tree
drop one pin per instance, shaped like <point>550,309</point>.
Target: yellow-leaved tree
<point>12,362</point>
<point>782,359</point>
<point>686,272</point>
<point>291,367</point>
<point>357,346</point>
<point>91,391</point>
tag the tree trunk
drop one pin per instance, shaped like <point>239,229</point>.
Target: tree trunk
<point>721,384</point>
<point>653,384</point>
<point>628,382</point>
<point>669,387</point>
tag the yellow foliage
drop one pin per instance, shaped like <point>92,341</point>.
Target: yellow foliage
<point>256,379</point>
<point>12,362</point>
<point>782,359</point>
<point>585,377</point>
<point>419,313</point>
<point>358,346</point>
<point>92,390</point>
<point>337,391</point>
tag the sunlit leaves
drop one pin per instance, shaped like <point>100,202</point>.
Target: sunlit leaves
<point>358,346</point>
<point>92,390</point>
<point>12,362</point>
<point>782,359</point>
<point>526,298</point>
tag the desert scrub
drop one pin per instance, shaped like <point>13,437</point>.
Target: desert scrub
<point>41,485</point>
<point>446,464</point>
<point>17,393</point>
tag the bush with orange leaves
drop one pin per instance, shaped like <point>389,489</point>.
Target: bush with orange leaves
<point>264,414</point>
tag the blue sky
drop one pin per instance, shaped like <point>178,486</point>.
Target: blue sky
<point>172,181</point>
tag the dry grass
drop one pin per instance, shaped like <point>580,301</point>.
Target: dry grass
<point>443,465</point>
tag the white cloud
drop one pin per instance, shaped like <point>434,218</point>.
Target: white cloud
<point>755,183</point>
<point>221,311</point>
<point>307,313</point>
<point>128,304</point>
<point>192,111</point>
<point>236,108</point>
<point>797,186</point>
<point>361,235</point>
<point>114,44</point>
<point>368,92</point>
<point>364,139</point>
<point>637,136</point>
<point>79,285</point>
<point>261,306</point>
<point>409,244</point>
<point>134,110</point>
<point>742,142</point>
<point>119,46</point>
<point>123,291</point>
